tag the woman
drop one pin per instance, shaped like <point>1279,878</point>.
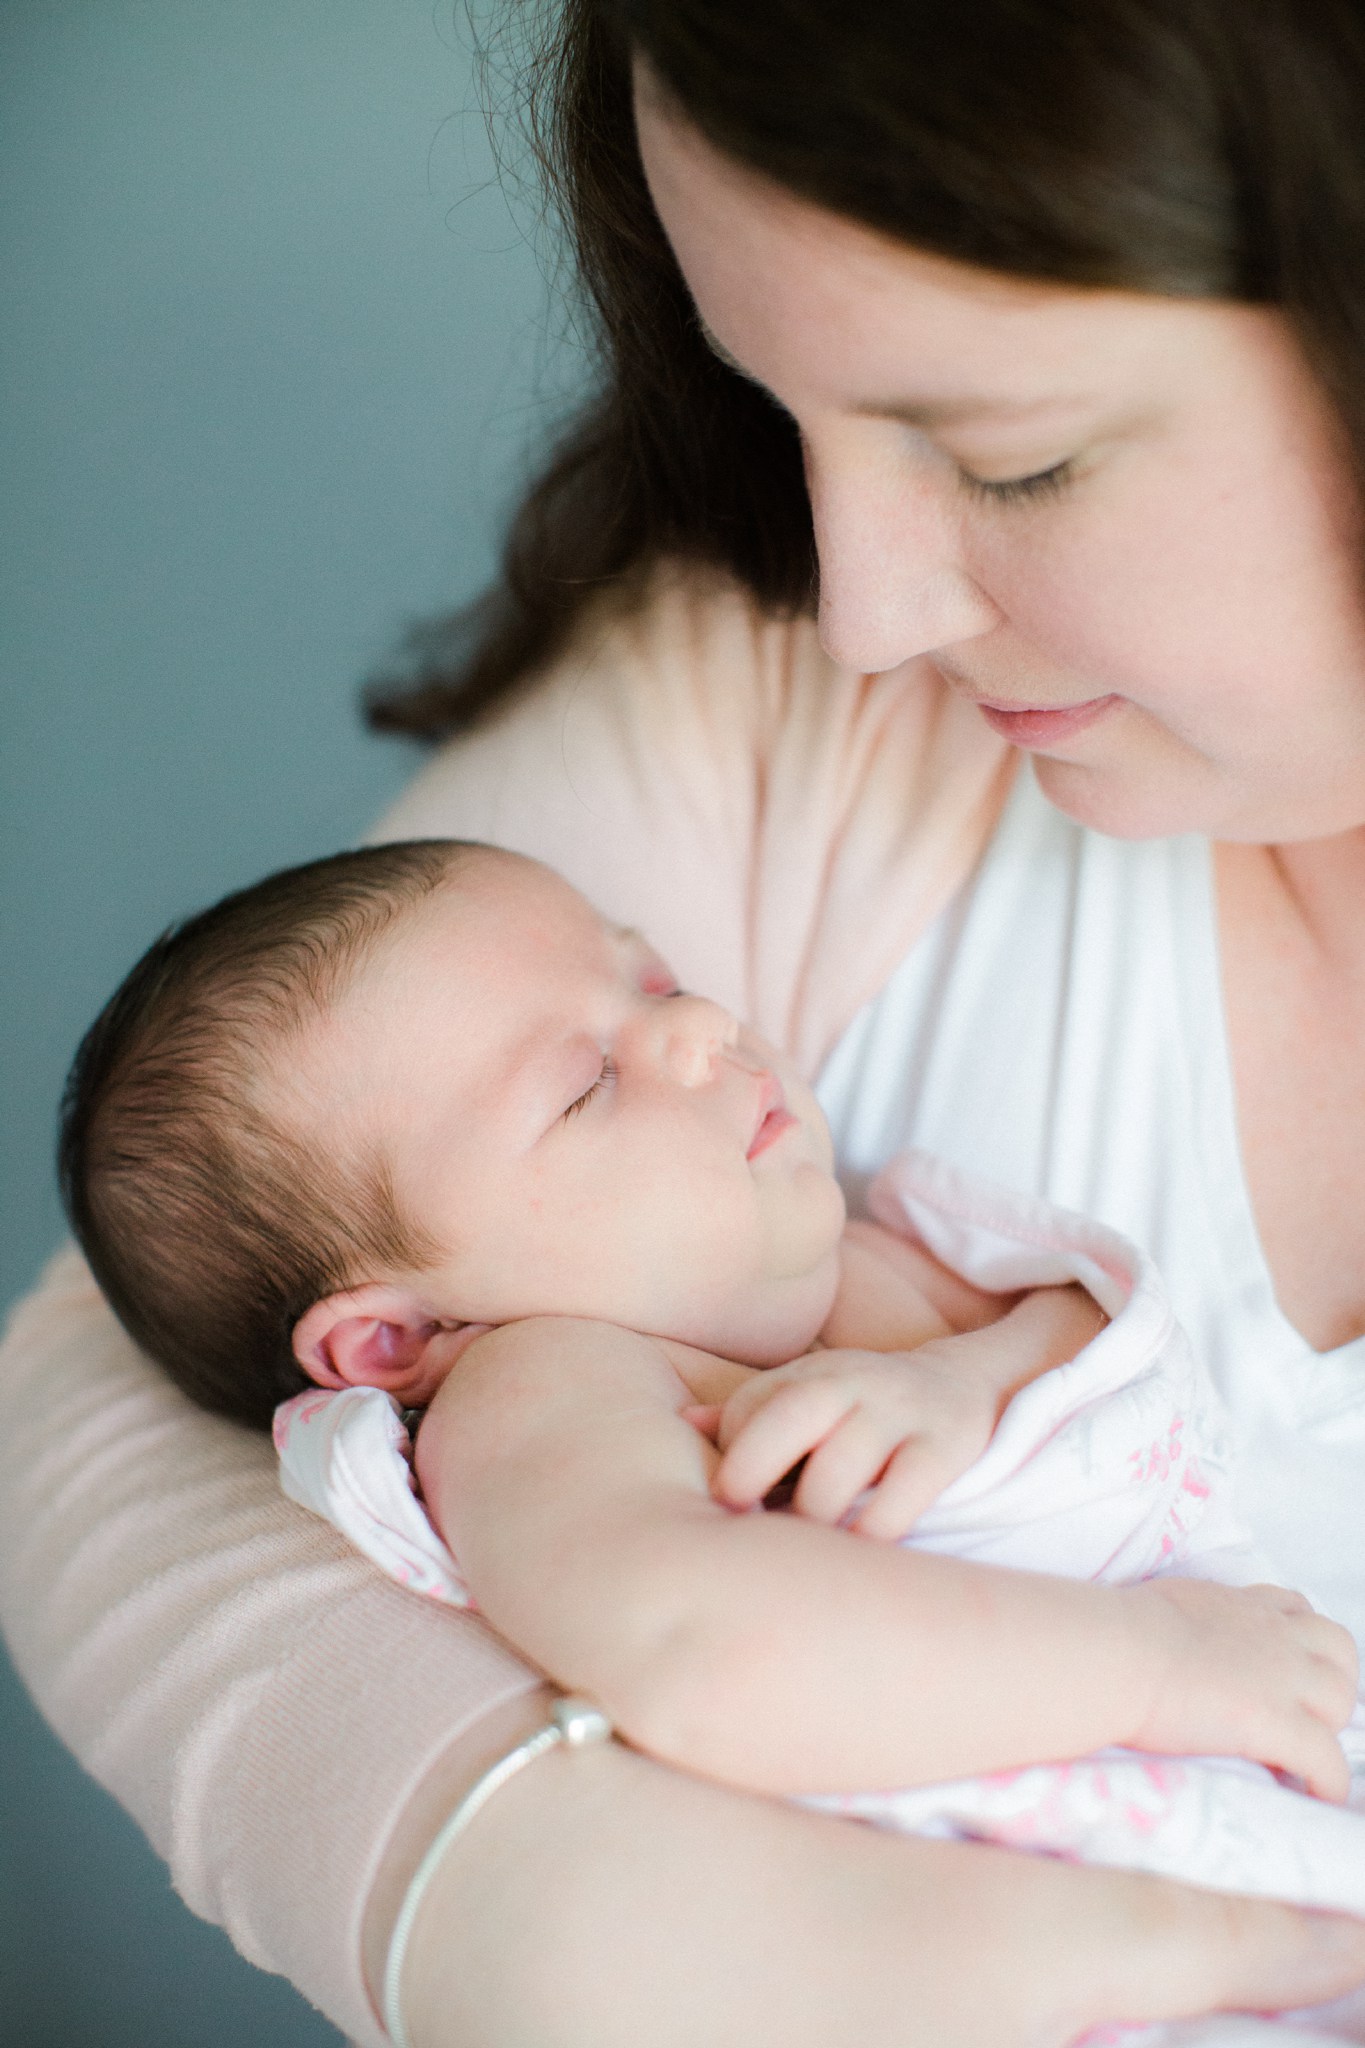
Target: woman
<point>1057,304</point>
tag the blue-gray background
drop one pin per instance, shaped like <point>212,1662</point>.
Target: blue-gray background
<point>272,352</point>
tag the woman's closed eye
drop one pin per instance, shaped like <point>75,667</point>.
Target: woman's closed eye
<point>1014,490</point>
<point>607,1075</point>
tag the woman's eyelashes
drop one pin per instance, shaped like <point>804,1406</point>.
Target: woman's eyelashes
<point>1014,490</point>
<point>607,1075</point>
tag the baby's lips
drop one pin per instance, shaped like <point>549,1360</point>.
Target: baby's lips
<point>774,1117</point>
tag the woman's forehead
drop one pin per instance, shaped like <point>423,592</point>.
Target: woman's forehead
<point>788,292</point>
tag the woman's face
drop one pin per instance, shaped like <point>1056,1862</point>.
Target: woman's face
<point>1120,524</point>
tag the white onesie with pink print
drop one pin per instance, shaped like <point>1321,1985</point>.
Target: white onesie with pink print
<point>1115,1468</point>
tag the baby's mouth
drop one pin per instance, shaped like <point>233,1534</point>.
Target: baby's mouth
<point>774,1117</point>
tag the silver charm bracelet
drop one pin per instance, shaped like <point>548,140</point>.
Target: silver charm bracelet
<point>574,1724</point>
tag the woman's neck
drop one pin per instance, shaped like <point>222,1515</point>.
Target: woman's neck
<point>1292,936</point>
<point>1320,886</point>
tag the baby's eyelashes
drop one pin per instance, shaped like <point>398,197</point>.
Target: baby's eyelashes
<point>651,975</point>
<point>607,1074</point>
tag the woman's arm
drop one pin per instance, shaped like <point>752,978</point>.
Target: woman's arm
<point>291,1731</point>
<point>259,1699</point>
<point>601,1899</point>
<point>782,1656</point>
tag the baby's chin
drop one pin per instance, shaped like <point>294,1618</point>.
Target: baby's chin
<point>776,1319</point>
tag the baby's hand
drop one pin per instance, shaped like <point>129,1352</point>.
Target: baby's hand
<point>1248,1672</point>
<point>903,1426</point>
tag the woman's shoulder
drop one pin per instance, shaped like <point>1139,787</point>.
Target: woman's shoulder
<point>679,681</point>
<point>680,653</point>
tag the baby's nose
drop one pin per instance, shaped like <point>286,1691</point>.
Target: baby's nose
<point>694,1033</point>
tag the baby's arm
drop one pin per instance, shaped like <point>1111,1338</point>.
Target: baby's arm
<point>894,1294</point>
<point>776,1654</point>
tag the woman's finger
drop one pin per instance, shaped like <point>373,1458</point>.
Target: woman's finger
<point>1204,1951</point>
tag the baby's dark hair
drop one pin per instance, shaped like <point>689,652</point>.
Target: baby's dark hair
<point>210,1225</point>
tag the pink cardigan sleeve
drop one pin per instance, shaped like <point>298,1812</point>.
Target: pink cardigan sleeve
<point>259,1698</point>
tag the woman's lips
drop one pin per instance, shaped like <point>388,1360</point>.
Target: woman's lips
<point>1035,726</point>
<point>774,1117</point>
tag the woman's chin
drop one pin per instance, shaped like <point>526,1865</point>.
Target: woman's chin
<point>1143,804</point>
<point>1153,803</point>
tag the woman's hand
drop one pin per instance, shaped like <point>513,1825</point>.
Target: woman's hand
<point>600,1898</point>
<point>1248,1672</point>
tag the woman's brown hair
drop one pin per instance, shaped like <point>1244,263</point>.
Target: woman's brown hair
<point>1195,148</point>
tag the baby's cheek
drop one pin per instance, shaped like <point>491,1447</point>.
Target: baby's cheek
<point>803,1221</point>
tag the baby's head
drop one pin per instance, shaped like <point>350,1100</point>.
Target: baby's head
<point>331,1127</point>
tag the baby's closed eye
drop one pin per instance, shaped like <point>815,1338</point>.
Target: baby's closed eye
<point>608,1074</point>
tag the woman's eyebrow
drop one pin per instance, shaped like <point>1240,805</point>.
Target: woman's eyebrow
<point>973,408</point>
<point>938,412</point>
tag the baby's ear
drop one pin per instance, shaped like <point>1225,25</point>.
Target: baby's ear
<point>379,1336</point>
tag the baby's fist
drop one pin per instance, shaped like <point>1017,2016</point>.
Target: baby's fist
<point>1248,1672</point>
<point>895,1427</point>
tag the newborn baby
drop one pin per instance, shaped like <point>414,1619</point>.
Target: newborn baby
<point>350,1126</point>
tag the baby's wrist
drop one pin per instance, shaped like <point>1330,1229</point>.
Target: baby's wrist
<point>1048,1328</point>
<point>1158,1642</point>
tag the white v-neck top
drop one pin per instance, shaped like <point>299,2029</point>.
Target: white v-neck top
<point>1061,1029</point>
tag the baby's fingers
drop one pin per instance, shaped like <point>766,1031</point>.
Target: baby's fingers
<point>1334,1676</point>
<point>1336,1668</point>
<point>1331,1672</point>
<point>919,1471</point>
<point>1317,1759</point>
<point>851,1458</point>
<point>774,1438</point>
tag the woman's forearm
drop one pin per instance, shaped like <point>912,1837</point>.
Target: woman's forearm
<point>600,1899</point>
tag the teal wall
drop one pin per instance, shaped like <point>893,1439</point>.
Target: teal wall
<point>272,349</point>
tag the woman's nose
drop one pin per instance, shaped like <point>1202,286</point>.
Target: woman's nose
<point>893,584</point>
<point>684,1036</point>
